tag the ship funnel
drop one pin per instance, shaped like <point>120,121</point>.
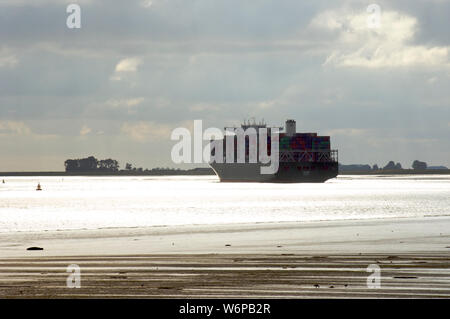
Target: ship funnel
<point>290,128</point>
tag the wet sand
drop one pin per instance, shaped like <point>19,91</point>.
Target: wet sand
<point>228,276</point>
<point>283,260</point>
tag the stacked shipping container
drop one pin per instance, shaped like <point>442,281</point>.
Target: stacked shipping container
<point>304,141</point>
<point>297,142</point>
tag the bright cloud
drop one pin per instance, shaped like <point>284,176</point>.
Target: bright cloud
<point>125,67</point>
<point>390,45</point>
<point>128,65</point>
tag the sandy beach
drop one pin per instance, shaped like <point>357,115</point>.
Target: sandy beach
<point>267,260</point>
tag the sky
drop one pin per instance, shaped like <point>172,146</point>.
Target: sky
<point>379,85</point>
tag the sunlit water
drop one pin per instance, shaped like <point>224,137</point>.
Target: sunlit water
<point>99,202</point>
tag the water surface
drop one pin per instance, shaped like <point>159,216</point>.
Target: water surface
<point>99,202</point>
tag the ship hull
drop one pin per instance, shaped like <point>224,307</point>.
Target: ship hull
<point>288,172</point>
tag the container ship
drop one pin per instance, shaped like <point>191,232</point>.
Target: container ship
<point>303,158</point>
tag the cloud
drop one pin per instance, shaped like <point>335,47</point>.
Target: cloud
<point>128,65</point>
<point>147,3</point>
<point>85,130</point>
<point>9,129</point>
<point>146,131</point>
<point>125,102</point>
<point>125,67</point>
<point>7,58</point>
<point>14,128</point>
<point>151,3</point>
<point>389,45</point>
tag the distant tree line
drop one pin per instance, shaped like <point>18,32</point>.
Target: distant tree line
<point>419,165</point>
<point>391,165</point>
<point>91,164</point>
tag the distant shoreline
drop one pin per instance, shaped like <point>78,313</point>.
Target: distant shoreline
<point>398,172</point>
<point>100,173</point>
<point>205,171</point>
